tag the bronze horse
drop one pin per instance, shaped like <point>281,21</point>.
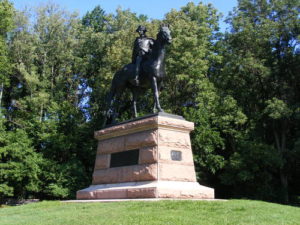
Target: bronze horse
<point>152,72</point>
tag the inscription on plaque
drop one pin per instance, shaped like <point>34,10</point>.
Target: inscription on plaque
<point>176,155</point>
<point>127,158</point>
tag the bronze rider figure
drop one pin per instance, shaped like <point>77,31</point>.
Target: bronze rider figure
<point>141,50</point>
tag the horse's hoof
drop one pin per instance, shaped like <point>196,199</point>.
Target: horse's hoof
<point>136,82</point>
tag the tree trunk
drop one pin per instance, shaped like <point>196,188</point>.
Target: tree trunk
<point>41,113</point>
<point>1,94</point>
<point>284,185</point>
<point>280,143</point>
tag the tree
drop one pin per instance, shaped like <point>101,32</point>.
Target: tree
<point>95,19</point>
<point>6,23</point>
<point>19,164</point>
<point>43,98</point>
<point>261,71</point>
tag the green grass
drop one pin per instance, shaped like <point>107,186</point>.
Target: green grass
<point>162,212</point>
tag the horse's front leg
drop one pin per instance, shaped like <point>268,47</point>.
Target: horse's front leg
<point>156,94</point>
<point>134,99</point>
<point>159,86</point>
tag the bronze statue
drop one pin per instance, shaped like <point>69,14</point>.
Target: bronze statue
<point>151,72</point>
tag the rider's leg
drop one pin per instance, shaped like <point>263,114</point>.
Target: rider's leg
<point>137,69</point>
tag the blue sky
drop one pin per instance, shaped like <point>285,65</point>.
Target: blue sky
<point>154,9</point>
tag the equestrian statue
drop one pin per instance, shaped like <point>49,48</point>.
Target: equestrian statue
<point>147,70</point>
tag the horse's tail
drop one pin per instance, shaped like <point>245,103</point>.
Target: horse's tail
<point>109,99</point>
<point>107,108</point>
<point>116,77</point>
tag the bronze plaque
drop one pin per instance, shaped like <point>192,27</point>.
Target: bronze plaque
<point>176,155</point>
<point>127,158</point>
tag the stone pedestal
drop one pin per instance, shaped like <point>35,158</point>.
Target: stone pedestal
<point>149,157</point>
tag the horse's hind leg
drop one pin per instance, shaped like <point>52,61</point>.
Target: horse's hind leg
<point>117,103</point>
<point>156,94</point>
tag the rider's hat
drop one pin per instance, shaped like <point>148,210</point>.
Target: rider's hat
<point>141,28</point>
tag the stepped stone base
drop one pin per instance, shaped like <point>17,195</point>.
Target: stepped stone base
<point>154,189</point>
<point>148,157</point>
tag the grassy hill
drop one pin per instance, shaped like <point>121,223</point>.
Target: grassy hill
<point>161,212</point>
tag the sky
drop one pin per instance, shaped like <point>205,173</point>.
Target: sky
<point>154,9</point>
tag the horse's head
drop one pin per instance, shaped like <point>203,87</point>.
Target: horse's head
<point>164,34</point>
